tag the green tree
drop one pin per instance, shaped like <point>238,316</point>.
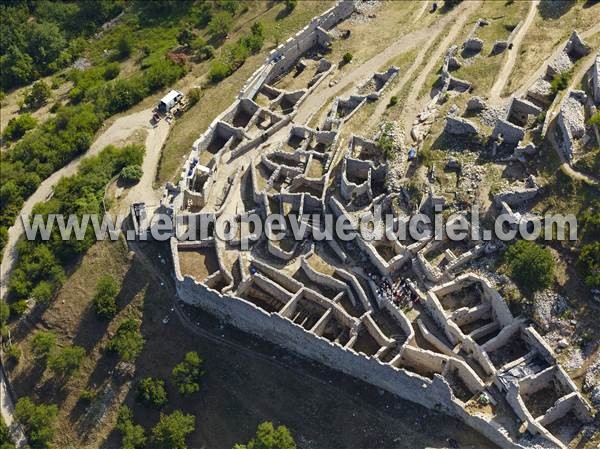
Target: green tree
<point>132,435</point>
<point>43,292</point>
<point>111,71</point>
<point>67,361</point>
<point>219,70</point>
<point>18,126</point>
<point>560,81</point>
<point>530,266</point>
<point>152,391</point>
<point>171,430</point>
<point>589,260</point>
<point>124,46</point>
<point>269,437</point>
<point>37,95</point>
<point>38,421</point>
<point>185,37</point>
<point>131,174</point>
<point>127,341</point>
<point>16,67</point>
<point>220,24</point>
<point>187,374</point>
<point>105,303</point>
<point>13,353</point>
<point>593,120</point>
<point>43,344</point>
<point>230,6</point>
<point>347,58</point>
<point>194,95</point>
<point>45,43</point>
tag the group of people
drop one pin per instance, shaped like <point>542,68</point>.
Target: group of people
<point>400,294</point>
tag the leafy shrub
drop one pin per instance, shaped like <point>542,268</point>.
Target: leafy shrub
<point>111,71</point>
<point>37,95</point>
<point>187,374</point>
<point>205,52</point>
<point>194,96</point>
<point>131,174</point>
<point>267,436</point>
<point>385,143</point>
<point>220,24</point>
<point>560,81</point>
<point>66,362</point>
<point>18,126</point>
<point>393,101</point>
<point>105,303</point>
<point>42,344</point>
<point>127,341</point>
<point>13,354</point>
<point>43,292</point>
<point>38,421</point>
<point>530,266</point>
<point>132,434</point>
<point>589,260</point>
<point>18,308</point>
<point>124,47</point>
<point>347,58</point>
<point>235,55</point>
<point>185,37</point>
<point>219,70</point>
<point>152,391</point>
<point>171,430</point>
<point>88,395</point>
<point>593,120</point>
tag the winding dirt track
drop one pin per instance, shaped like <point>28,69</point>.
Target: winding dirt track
<point>120,130</point>
<point>507,68</point>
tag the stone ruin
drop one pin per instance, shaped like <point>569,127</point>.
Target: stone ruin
<point>404,315</point>
<point>571,121</point>
<point>473,45</point>
<point>540,91</point>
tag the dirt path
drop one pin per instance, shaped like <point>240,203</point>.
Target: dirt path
<point>413,105</point>
<point>507,68</point>
<point>120,130</point>
<point>144,190</point>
